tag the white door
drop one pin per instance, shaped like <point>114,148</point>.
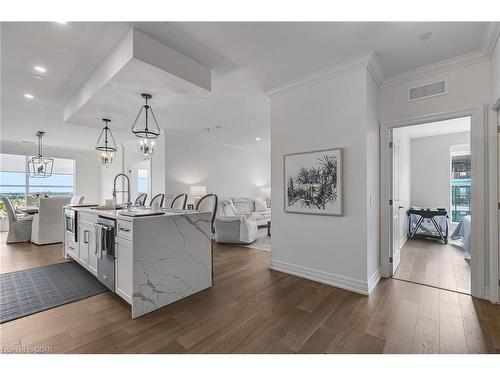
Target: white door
<point>83,243</point>
<point>123,269</point>
<point>92,264</point>
<point>395,222</point>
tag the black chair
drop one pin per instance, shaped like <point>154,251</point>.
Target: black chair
<point>140,200</point>
<point>179,202</point>
<point>157,198</point>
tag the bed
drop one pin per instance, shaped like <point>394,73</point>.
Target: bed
<point>462,233</point>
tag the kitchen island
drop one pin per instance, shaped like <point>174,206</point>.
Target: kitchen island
<point>159,259</point>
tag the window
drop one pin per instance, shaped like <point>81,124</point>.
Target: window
<point>460,184</point>
<point>16,183</point>
<point>142,181</point>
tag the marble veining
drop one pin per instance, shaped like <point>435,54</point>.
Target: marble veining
<point>176,264</point>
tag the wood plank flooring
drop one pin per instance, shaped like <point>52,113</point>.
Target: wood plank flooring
<point>251,309</point>
<point>436,264</point>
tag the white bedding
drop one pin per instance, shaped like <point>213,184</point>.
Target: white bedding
<point>462,232</point>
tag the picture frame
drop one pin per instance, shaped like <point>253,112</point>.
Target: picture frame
<point>313,182</point>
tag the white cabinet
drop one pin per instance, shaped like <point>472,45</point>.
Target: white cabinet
<point>83,243</point>
<point>123,269</point>
<point>87,246</point>
<point>72,248</point>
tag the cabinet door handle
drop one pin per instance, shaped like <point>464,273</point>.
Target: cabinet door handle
<point>124,229</point>
<point>85,236</point>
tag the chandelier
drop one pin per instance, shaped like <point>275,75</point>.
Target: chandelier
<point>106,145</point>
<point>40,166</point>
<point>146,127</point>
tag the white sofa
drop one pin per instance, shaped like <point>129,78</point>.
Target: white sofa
<point>47,224</point>
<point>237,220</point>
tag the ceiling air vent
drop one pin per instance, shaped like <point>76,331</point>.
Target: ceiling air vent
<point>427,91</point>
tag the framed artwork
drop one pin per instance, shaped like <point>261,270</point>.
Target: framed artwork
<point>313,182</point>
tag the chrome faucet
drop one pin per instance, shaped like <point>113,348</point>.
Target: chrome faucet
<point>129,203</point>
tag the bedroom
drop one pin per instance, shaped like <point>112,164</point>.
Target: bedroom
<point>432,204</point>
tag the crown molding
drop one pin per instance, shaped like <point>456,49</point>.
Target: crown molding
<point>368,61</point>
<point>490,37</point>
<point>375,70</point>
<point>436,68</point>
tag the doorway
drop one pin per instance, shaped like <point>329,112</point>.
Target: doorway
<point>431,204</point>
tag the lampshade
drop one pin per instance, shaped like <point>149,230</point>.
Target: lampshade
<point>266,191</point>
<point>198,191</point>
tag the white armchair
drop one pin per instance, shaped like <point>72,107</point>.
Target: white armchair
<point>234,227</point>
<point>48,222</point>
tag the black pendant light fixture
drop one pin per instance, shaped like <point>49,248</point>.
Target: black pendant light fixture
<point>146,127</point>
<point>40,166</point>
<point>106,145</point>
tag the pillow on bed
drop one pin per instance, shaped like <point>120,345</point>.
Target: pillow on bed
<point>260,206</point>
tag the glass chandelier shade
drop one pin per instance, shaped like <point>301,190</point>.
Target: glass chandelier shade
<point>146,147</point>
<point>40,166</point>
<point>145,124</point>
<point>106,145</point>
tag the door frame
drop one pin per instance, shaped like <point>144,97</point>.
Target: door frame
<point>478,193</point>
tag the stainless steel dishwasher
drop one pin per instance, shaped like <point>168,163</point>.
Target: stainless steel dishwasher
<point>105,251</point>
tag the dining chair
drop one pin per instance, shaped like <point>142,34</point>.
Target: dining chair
<point>19,227</point>
<point>179,202</point>
<point>209,202</point>
<point>47,225</point>
<point>141,200</point>
<point>157,198</point>
<point>76,199</point>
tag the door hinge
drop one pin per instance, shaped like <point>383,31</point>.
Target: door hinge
<point>498,282</point>
<point>390,202</point>
<point>391,144</point>
<point>390,259</point>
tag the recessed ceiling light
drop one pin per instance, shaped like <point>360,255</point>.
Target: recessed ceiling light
<point>425,36</point>
<point>28,96</point>
<point>61,22</point>
<point>40,69</point>
<point>204,98</point>
<point>257,139</point>
<point>37,76</point>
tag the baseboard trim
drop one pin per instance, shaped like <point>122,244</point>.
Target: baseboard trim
<point>338,281</point>
<point>374,279</point>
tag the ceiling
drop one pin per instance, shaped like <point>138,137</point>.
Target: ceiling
<point>457,125</point>
<point>246,59</point>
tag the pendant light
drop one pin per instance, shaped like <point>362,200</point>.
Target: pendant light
<point>146,128</point>
<point>40,166</point>
<point>106,145</point>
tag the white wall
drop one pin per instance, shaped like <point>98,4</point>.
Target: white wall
<point>321,115</point>
<point>372,186</point>
<point>430,169</point>
<point>495,72</point>
<point>224,170</point>
<point>401,136</point>
<point>88,175</point>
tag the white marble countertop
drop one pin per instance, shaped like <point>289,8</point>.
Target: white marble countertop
<point>116,214</point>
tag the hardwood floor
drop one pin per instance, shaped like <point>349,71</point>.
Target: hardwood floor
<point>436,264</point>
<point>251,309</point>
<point>20,256</point>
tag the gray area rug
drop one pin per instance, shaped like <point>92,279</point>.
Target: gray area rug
<point>30,291</point>
<point>263,242</point>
